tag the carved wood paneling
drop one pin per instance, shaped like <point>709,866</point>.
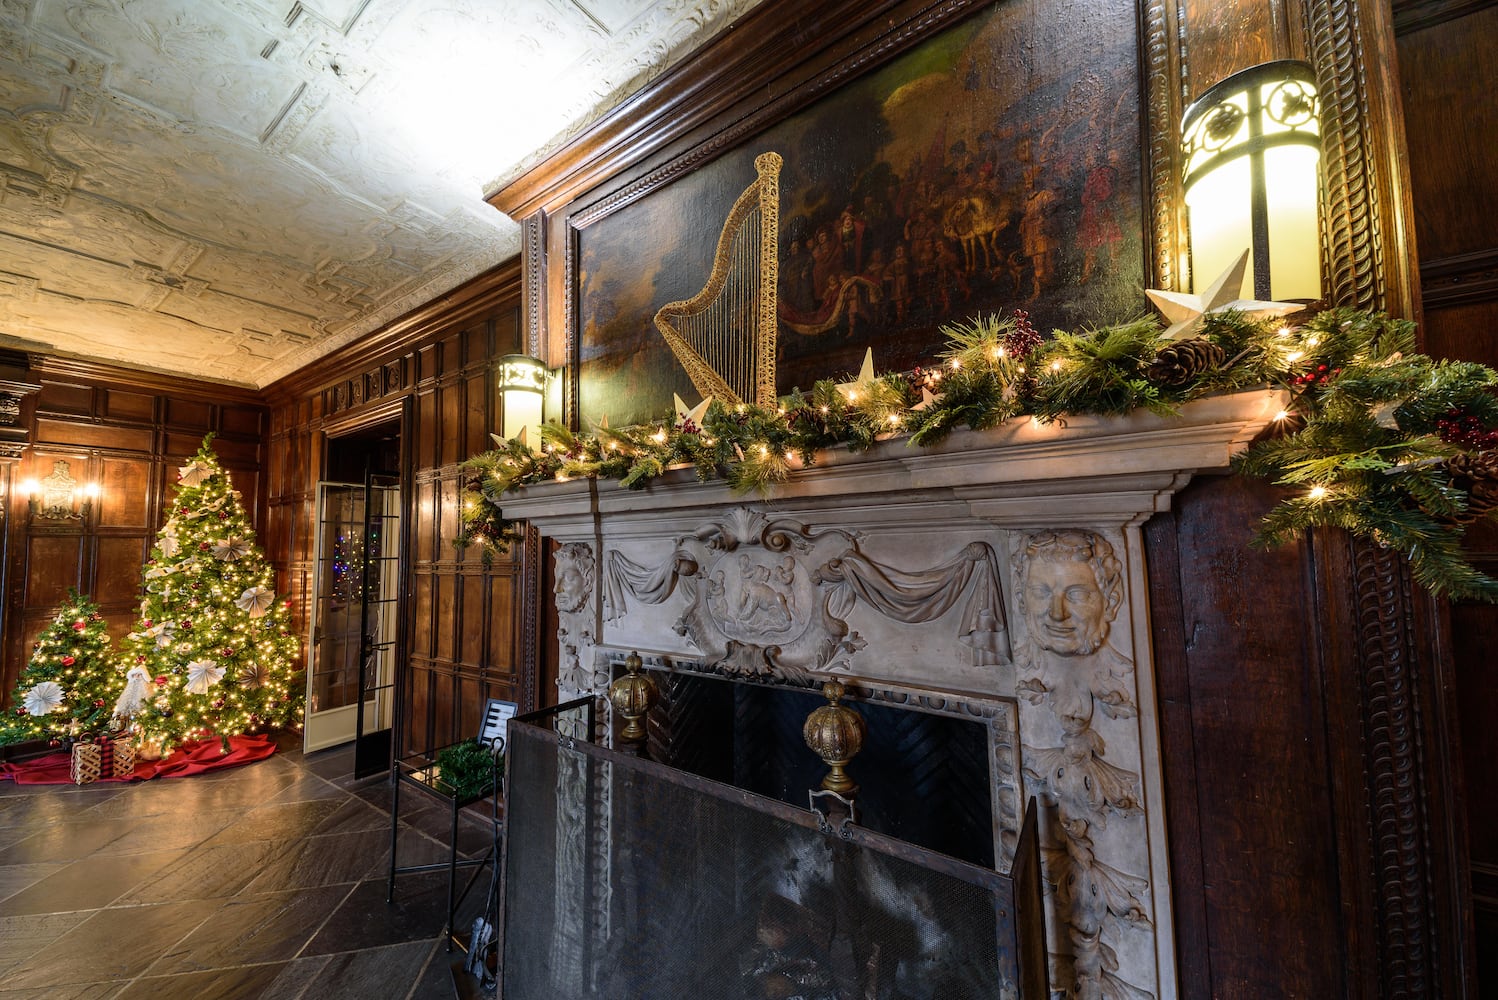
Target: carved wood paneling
<point>1446,72</point>
<point>1414,15</point>
<point>1164,73</point>
<point>1465,280</point>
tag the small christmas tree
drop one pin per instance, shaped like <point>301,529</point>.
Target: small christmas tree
<point>213,652</point>
<point>70,686</point>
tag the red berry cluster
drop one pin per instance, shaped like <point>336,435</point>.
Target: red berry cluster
<point>1320,375</point>
<point>1024,338</point>
<point>689,426</point>
<point>1466,429</point>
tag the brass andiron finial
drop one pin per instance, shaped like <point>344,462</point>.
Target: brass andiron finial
<point>836,733</point>
<point>632,695</point>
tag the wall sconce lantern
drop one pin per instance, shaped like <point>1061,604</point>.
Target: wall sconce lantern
<point>522,391</point>
<point>60,497</point>
<point>1252,158</point>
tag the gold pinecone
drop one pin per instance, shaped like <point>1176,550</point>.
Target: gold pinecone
<point>1184,360</point>
<point>1476,474</point>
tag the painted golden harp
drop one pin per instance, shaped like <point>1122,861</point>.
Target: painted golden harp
<point>724,336</point>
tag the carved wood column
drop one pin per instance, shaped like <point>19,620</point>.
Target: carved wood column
<point>1395,667</point>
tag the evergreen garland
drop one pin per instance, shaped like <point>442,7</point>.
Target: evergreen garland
<point>1365,441</point>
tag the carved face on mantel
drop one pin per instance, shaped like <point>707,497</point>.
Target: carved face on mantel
<point>1070,591</point>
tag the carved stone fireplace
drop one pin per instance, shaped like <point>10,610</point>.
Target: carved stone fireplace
<point>997,579</point>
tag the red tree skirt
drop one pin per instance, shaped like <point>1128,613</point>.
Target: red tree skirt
<point>195,757</point>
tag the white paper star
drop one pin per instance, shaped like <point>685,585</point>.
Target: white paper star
<point>927,398</point>
<point>194,472</point>
<point>851,390</point>
<point>44,699</point>
<point>256,600</point>
<point>231,548</point>
<point>1185,311</point>
<point>202,675</point>
<point>694,414</point>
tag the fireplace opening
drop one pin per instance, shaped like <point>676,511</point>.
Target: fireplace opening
<point>923,778</point>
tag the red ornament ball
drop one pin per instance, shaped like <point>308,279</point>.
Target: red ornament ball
<point>79,625</point>
<point>98,702</point>
<point>204,546</point>
<point>68,661</point>
<point>161,680</point>
<point>54,743</point>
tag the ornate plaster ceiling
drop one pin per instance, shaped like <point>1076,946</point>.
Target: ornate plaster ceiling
<point>229,189</point>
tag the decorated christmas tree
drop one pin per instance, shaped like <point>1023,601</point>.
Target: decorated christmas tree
<point>68,690</point>
<point>213,652</point>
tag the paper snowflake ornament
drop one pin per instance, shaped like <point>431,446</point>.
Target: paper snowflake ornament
<point>44,699</point>
<point>231,548</point>
<point>257,601</point>
<point>1185,311</point>
<point>690,415</point>
<point>194,472</point>
<point>253,675</point>
<point>202,675</point>
<point>852,390</point>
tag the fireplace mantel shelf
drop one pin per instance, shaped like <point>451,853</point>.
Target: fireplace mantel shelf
<point>1072,472</point>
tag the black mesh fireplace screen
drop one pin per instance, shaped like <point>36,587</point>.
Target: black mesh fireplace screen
<point>629,880</point>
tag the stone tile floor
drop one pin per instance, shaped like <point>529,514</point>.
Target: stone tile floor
<point>264,881</point>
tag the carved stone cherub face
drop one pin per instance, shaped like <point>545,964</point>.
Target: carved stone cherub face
<point>1067,608</point>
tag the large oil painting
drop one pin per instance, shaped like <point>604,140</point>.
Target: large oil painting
<point>994,167</point>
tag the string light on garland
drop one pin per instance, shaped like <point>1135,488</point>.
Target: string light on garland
<point>1404,447</point>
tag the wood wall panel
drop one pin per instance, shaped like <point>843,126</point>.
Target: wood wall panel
<point>125,486</point>
<point>53,564</point>
<point>477,407</point>
<point>55,429</point>
<point>1468,331</point>
<point>1449,76</point>
<point>66,398</point>
<point>188,413</point>
<point>1244,743</point>
<point>138,407</point>
<point>1226,37</point>
<point>118,568</point>
<point>472,642</point>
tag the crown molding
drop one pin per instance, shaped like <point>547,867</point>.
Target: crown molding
<point>80,371</point>
<point>757,64</point>
<point>493,289</point>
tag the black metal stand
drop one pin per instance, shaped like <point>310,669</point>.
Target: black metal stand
<point>420,771</point>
